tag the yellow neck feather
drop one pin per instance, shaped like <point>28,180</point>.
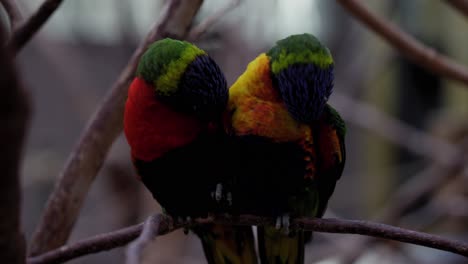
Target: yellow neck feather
<point>257,108</point>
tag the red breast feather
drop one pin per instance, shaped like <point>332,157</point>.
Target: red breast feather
<point>151,127</point>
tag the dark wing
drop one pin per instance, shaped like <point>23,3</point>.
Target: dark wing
<point>329,134</point>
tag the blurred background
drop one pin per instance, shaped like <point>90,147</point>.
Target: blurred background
<point>396,113</point>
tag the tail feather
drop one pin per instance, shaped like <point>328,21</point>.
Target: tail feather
<point>275,247</point>
<point>225,244</point>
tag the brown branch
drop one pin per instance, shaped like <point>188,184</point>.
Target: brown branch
<point>149,232</point>
<point>14,113</point>
<point>406,44</point>
<point>392,129</point>
<point>13,12</point>
<point>450,161</point>
<point>119,238</point>
<point>27,30</point>
<point>460,5</point>
<point>201,28</point>
<point>103,128</point>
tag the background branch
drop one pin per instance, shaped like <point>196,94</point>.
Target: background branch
<point>27,30</point>
<point>460,5</point>
<point>201,28</point>
<point>14,113</point>
<point>414,50</point>
<point>450,162</point>
<point>13,13</point>
<point>103,128</point>
<point>121,237</point>
<point>394,130</point>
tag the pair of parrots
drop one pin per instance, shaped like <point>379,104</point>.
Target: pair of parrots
<point>270,145</point>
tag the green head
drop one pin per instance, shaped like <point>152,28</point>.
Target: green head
<point>184,76</point>
<point>302,70</point>
<point>164,63</point>
<point>299,49</point>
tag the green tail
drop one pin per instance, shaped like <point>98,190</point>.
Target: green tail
<point>275,247</point>
<point>224,244</point>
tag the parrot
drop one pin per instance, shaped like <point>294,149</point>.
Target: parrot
<point>173,125</point>
<point>289,146</point>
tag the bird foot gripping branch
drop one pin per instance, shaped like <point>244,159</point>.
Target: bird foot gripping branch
<point>283,223</point>
<point>221,196</point>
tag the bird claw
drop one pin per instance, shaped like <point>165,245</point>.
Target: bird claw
<point>220,195</point>
<point>219,192</point>
<point>283,223</point>
<point>229,198</point>
<point>186,221</point>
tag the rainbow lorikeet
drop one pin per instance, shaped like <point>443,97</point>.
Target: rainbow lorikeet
<point>289,143</point>
<point>173,124</point>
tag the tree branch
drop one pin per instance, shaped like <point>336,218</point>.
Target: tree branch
<point>103,128</point>
<point>392,129</point>
<point>406,44</point>
<point>121,237</point>
<point>450,162</point>
<point>460,5</point>
<point>13,13</point>
<point>201,28</point>
<point>27,30</point>
<point>149,232</point>
<point>14,113</point>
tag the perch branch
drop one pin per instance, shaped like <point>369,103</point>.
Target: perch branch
<point>103,128</point>
<point>121,237</point>
<point>14,113</point>
<point>27,30</point>
<point>149,232</point>
<point>13,12</point>
<point>406,44</point>
<point>460,5</point>
<point>197,31</point>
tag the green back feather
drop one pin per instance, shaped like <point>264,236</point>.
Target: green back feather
<point>164,63</point>
<point>335,120</point>
<point>299,49</point>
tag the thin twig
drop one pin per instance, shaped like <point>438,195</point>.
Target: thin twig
<point>399,133</point>
<point>27,30</point>
<point>406,44</point>
<point>103,128</point>
<point>149,232</point>
<point>14,113</point>
<point>201,28</point>
<point>461,5</point>
<point>330,225</point>
<point>13,12</point>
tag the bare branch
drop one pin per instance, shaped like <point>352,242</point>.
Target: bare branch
<point>406,44</point>
<point>88,246</point>
<point>13,12</point>
<point>450,163</point>
<point>201,28</point>
<point>26,31</point>
<point>103,128</point>
<point>399,133</point>
<point>331,225</point>
<point>14,113</point>
<point>149,232</point>
<point>461,5</point>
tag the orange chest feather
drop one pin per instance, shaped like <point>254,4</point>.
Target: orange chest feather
<point>256,107</point>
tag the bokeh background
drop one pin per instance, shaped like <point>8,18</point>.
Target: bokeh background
<point>75,58</point>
